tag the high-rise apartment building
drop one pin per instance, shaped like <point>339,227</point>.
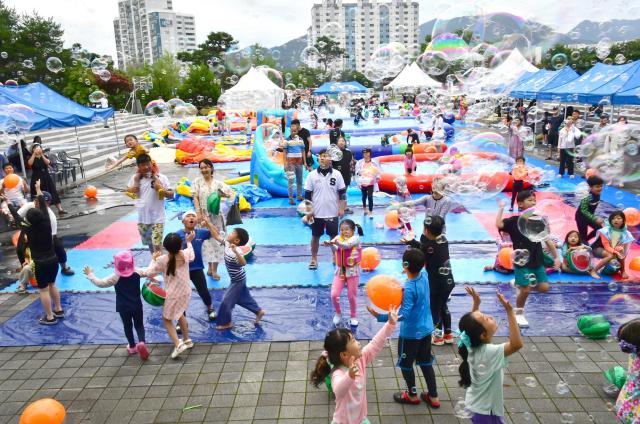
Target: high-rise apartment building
<point>147,29</point>
<point>361,26</point>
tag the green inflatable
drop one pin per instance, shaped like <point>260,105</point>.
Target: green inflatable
<point>213,204</point>
<point>616,376</point>
<point>594,326</point>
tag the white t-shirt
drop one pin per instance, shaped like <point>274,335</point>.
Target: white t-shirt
<point>52,217</point>
<point>486,394</point>
<point>325,192</point>
<point>15,194</point>
<point>104,103</point>
<point>150,207</point>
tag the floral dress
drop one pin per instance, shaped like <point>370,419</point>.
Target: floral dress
<point>211,250</point>
<point>177,287</point>
<point>628,403</point>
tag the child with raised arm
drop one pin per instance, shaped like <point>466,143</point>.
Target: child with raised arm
<point>344,363</point>
<point>135,149</point>
<point>483,363</point>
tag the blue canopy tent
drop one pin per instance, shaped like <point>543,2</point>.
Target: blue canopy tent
<point>542,80</point>
<point>359,88</point>
<point>597,83</point>
<point>628,97</point>
<point>333,87</point>
<point>46,108</point>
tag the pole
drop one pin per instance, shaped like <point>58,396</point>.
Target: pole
<point>115,128</point>
<point>79,151</point>
<point>24,169</point>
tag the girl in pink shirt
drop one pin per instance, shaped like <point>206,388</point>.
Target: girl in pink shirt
<point>345,363</point>
<point>410,164</point>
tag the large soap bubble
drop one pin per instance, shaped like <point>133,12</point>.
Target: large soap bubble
<point>96,96</point>
<point>533,225</point>
<point>157,108</point>
<point>54,64</point>
<point>433,62</point>
<point>98,64</point>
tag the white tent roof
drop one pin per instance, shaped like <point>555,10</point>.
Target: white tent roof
<point>253,91</point>
<point>412,77</point>
<point>513,67</point>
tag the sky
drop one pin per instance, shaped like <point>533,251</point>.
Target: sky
<point>274,22</point>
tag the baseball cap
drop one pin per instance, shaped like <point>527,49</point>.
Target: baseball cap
<point>47,196</point>
<point>123,263</point>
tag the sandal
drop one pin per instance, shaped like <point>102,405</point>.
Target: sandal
<point>403,397</point>
<point>432,403</point>
<point>313,265</point>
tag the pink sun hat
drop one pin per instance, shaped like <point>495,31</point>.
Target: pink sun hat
<point>124,263</point>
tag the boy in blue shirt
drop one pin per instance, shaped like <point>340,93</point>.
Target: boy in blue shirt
<point>196,267</point>
<point>416,326</point>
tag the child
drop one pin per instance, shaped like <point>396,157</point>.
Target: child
<point>196,267</point>
<point>532,275</point>
<point>410,164</point>
<point>135,149</point>
<point>627,406</point>
<point>613,243</point>
<point>237,293</point>
<point>367,176</point>
<point>249,129</point>
<point>401,188</point>
<point>441,282</point>
<point>175,267</point>
<point>436,204</point>
<point>358,117</point>
<point>519,174</point>
<point>585,212</point>
<point>483,363</point>
<point>347,251</point>
<point>414,344</point>
<point>345,363</point>
<point>27,272</point>
<point>14,195</point>
<point>502,242</point>
<point>571,244</point>
<point>126,281</point>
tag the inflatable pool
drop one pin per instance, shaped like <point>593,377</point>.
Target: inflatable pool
<point>379,150</point>
<point>193,150</point>
<point>430,168</point>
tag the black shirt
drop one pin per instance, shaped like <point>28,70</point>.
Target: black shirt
<point>436,257</point>
<point>304,134</point>
<point>413,138</point>
<point>344,164</point>
<point>520,241</point>
<point>334,135</point>
<point>128,293</point>
<point>554,124</point>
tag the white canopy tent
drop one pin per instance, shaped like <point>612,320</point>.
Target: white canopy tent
<point>481,82</point>
<point>253,91</point>
<point>412,77</point>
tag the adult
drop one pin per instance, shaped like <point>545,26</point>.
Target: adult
<point>13,154</point>
<point>412,137</point>
<point>61,254</point>
<point>601,125</point>
<point>36,140</point>
<point>569,136</point>
<point>367,176</point>
<point>39,163</point>
<point>336,132</point>
<point>151,189</point>
<point>325,188</point>
<point>515,143</point>
<point>104,104</point>
<point>305,136</point>
<point>203,187</point>
<point>553,128</point>
<point>622,120</point>
<point>344,167</point>
<point>294,161</point>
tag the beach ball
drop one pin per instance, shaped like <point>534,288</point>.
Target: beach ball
<point>43,411</point>
<point>11,181</point>
<point>91,192</point>
<point>505,258</point>
<point>391,219</point>
<point>579,261</point>
<point>632,216</point>
<point>370,259</point>
<point>153,294</point>
<point>384,291</point>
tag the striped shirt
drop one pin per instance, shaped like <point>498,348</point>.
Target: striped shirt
<point>235,270</point>
<point>294,147</point>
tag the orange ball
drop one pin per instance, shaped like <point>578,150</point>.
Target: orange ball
<point>505,258</point>
<point>33,283</point>
<point>591,172</point>
<point>91,192</point>
<point>391,219</point>
<point>43,411</point>
<point>370,259</point>
<point>634,265</point>
<point>11,181</point>
<point>632,216</point>
<point>384,291</point>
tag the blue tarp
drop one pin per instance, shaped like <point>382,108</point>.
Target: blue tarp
<point>51,109</point>
<point>333,87</point>
<point>601,81</point>
<point>529,87</point>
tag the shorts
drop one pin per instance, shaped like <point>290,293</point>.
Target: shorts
<point>414,350</point>
<point>321,226</point>
<point>523,275</point>
<point>46,272</point>
<point>487,419</point>
<point>151,234</point>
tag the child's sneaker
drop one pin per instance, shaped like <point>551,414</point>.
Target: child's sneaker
<point>212,315</point>
<point>132,350</point>
<point>45,321</point>
<point>448,338</point>
<point>520,318</point>
<point>21,290</point>
<point>336,319</point>
<point>143,351</point>
<point>354,322</point>
<point>188,343</point>
<point>437,340</point>
<point>178,350</point>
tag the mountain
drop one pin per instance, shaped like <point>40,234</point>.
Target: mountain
<point>589,32</point>
<point>289,52</point>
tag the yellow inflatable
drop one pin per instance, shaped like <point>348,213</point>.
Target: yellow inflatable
<point>231,181</point>
<point>184,187</point>
<point>243,205</point>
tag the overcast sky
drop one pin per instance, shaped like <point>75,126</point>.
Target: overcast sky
<point>274,22</point>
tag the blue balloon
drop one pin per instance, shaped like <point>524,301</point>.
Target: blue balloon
<point>449,118</point>
<point>448,131</point>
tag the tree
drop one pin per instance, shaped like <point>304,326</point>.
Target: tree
<point>330,50</point>
<point>165,73</point>
<point>425,43</point>
<point>81,82</point>
<point>199,87</point>
<point>216,45</point>
<point>117,88</point>
<point>347,75</point>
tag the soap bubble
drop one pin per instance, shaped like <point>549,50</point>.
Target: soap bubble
<point>54,64</point>
<point>4,55</point>
<point>310,56</point>
<point>559,60</point>
<point>98,64</point>
<point>520,257</point>
<point>567,418</point>
<point>28,64</point>
<point>530,382</point>
<point>96,96</point>
<point>533,226</point>
<point>460,410</point>
<point>562,388</point>
<point>433,62</point>
<point>334,153</point>
<point>104,75</point>
<point>157,108</point>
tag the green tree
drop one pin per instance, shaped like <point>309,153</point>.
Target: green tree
<point>330,50</point>
<point>165,74</point>
<point>80,83</point>
<point>347,75</point>
<point>424,44</point>
<point>216,45</point>
<point>199,87</point>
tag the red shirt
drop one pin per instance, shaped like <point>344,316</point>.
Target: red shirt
<point>220,114</point>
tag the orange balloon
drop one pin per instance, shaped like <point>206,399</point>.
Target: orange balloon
<point>505,258</point>
<point>14,238</point>
<point>384,291</point>
<point>43,411</point>
<point>632,216</point>
<point>634,265</point>
<point>591,172</point>
<point>33,283</point>
<point>91,192</point>
<point>370,259</point>
<point>391,219</point>
<point>11,181</point>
